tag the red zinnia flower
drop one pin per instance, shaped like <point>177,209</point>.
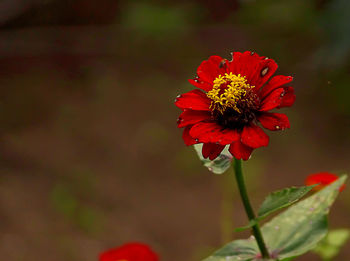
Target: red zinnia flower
<point>129,252</point>
<point>322,178</point>
<point>232,104</point>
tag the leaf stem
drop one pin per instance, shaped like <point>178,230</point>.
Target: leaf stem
<point>248,208</point>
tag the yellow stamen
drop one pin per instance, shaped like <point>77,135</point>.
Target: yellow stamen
<point>227,97</point>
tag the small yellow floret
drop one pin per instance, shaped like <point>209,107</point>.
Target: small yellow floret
<point>227,97</point>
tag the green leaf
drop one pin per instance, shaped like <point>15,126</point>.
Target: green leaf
<point>330,246</point>
<point>237,250</point>
<point>291,233</point>
<point>276,201</point>
<point>299,228</point>
<point>281,199</point>
<point>220,164</point>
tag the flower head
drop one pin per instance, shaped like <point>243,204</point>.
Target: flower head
<point>323,179</point>
<point>235,97</point>
<point>129,252</point>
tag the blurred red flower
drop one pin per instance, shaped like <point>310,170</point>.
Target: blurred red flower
<point>322,178</point>
<point>234,97</point>
<point>129,252</point>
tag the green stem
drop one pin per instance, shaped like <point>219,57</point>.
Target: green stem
<point>248,208</point>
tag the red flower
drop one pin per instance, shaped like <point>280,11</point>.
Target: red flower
<point>129,252</point>
<point>236,98</point>
<point>322,178</point>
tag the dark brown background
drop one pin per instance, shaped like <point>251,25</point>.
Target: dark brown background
<point>90,155</point>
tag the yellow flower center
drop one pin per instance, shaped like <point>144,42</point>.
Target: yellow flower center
<point>227,91</point>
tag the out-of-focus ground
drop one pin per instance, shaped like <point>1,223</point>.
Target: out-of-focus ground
<point>90,154</point>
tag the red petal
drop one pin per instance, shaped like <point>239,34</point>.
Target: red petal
<point>322,178</point>
<point>254,137</point>
<point>274,121</point>
<point>130,251</point>
<point>190,117</point>
<point>195,100</point>
<point>273,100</point>
<point>257,69</point>
<point>187,137</point>
<point>240,151</point>
<point>211,132</point>
<point>206,132</point>
<point>228,136</point>
<point>211,150</point>
<point>275,82</point>
<point>210,69</point>
<point>288,97</point>
<point>201,84</point>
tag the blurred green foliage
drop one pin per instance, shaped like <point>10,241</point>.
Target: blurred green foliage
<point>147,18</point>
<point>64,201</point>
<point>330,246</point>
<point>69,199</point>
<point>279,17</point>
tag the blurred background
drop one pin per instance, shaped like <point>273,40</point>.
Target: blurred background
<point>90,154</point>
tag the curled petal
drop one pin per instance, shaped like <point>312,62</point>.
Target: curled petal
<point>187,137</point>
<point>275,82</point>
<point>254,137</point>
<point>274,121</point>
<point>211,150</point>
<point>195,100</point>
<point>240,151</point>
<point>190,117</point>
